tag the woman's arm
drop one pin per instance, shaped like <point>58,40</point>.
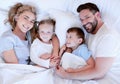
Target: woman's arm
<point>10,57</point>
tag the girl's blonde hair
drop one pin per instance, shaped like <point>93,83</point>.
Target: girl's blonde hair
<point>17,9</point>
<point>37,24</point>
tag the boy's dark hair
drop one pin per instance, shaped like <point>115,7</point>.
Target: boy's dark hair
<point>92,7</point>
<point>79,32</point>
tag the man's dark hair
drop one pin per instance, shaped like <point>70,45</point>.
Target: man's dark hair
<point>92,7</point>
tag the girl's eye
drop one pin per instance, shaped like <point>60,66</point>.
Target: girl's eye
<point>25,18</point>
<point>48,32</point>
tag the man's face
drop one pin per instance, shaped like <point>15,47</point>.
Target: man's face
<point>89,21</point>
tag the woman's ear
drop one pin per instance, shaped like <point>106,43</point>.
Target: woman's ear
<point>16,17</point>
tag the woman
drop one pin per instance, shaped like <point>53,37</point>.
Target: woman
<point>14,44</point>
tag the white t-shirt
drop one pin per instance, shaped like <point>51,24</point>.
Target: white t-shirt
<point>106,43</point>
<point>37,49</point>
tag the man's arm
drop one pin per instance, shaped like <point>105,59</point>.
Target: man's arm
<point>102,65</point>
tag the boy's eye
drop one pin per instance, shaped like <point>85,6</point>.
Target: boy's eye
<point>87,17</point>
<point>25,18</point>
<point>41,32</point>
<point>33,22</point>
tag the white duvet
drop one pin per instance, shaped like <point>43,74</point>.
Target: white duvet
<point>28,74</point>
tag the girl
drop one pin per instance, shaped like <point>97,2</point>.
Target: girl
<point>41,48</point>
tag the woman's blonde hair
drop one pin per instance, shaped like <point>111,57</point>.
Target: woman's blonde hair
<point>17,9</point>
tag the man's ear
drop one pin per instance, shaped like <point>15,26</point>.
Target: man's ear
<point>97,14</point>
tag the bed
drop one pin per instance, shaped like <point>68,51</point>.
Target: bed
<point>64,12</point>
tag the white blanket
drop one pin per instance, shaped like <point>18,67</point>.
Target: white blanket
<point>28,74</point>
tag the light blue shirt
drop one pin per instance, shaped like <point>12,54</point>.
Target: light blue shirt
<point>83,52</point>
<point>10,41</point>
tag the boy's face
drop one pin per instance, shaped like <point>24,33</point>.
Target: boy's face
<point>46,32</point>
<point>72,40</point>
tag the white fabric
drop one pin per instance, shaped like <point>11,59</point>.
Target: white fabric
<point>64,20</point>
<point>97,44</point>
<point>72,61</point>
<point>43,5</point>
<point>37,49</point>
<point>3,27</point>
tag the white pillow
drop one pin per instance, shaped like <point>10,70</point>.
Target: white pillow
<point>3,27</point>
<point>43,5</point>
<point>64,20</point>
<point>6,4</point>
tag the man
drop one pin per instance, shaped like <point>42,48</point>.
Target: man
<point>105,47</point>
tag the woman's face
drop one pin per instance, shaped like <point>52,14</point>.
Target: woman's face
<point>45,32</point>
<point>25,21</point>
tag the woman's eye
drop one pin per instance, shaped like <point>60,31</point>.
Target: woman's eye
<point>25,18</point>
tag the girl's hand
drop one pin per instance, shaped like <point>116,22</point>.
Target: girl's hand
<point>54,62</point>
<point>45,56</point>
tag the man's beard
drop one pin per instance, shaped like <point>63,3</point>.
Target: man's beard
<point>93,26</point>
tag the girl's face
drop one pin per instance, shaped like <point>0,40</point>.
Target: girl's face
<point>46,32</point>
<point>72,40</point>
<point>25,21</point>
